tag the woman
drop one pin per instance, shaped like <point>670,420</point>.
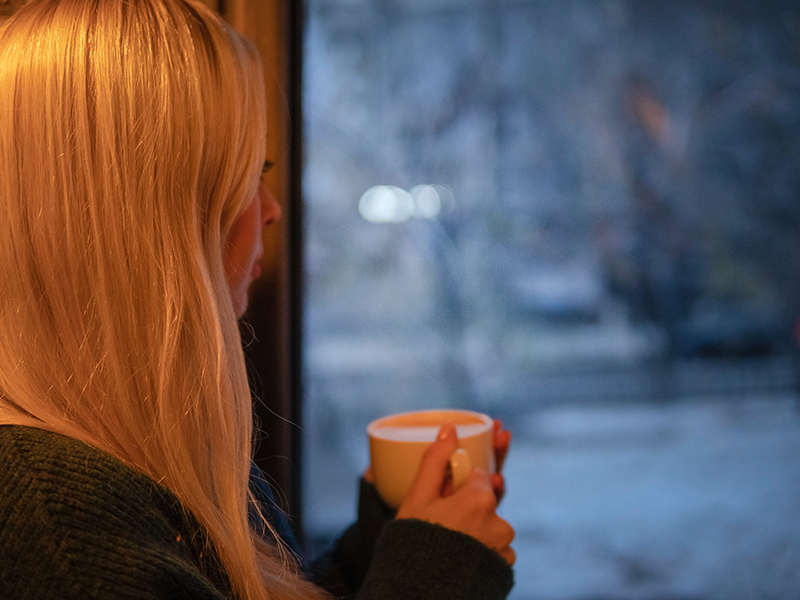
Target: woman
<point>131,145</point>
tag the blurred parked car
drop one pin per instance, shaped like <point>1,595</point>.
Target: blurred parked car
<point>718,329</point>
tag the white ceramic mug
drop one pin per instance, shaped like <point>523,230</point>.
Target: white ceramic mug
<point>397,443</point>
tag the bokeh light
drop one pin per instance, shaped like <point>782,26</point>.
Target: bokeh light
<point>391,204</point>
<point>386,204</point>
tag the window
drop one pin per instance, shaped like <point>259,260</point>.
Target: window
<point>582,217</point>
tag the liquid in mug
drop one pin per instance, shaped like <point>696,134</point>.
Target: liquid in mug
<point>423,433</point>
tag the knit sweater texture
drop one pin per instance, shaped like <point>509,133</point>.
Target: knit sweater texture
<point>75,522</point>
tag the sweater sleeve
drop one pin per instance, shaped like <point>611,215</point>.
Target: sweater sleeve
<point>342,569</point>
<point>77,524</point>
<point>418,560</point>
<point>380,558</point>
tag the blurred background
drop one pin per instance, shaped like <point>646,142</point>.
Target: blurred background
<point>581,217</point>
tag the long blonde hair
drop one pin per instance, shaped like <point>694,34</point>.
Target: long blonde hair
<point>132,135</point>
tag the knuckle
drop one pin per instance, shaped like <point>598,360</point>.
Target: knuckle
<point>509,534</point>
<point>486,500</point>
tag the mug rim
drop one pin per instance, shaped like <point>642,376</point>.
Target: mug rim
<point>380,422</point>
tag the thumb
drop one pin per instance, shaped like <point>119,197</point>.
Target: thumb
<point>433,469</point>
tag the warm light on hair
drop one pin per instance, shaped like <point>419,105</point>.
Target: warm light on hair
<point>131,136</point>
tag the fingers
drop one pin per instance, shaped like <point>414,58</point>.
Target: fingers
<point>471,509</point>
<point>501,440</point>
<point>478,481</point>
<point>499,485</point>
<point>503,536</point>
<point>478,487</point>
<point>432,471</point>
<point>505,550</point>
<point>509,555</point>
<point>496,532</point>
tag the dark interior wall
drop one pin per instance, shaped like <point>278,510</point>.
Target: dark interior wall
<point>271,328</point>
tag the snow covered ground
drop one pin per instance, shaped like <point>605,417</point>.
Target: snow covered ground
<point>694,500</point>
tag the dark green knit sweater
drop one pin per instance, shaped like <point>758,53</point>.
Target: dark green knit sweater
<point>76,522</point>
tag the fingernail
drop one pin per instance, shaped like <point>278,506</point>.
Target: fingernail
<point>448,430</point>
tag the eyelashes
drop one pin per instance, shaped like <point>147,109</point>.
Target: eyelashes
<point>268,164</point>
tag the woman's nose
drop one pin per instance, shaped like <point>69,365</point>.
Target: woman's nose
<point>270,209</point>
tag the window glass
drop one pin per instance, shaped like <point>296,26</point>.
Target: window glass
<point>581,217</point>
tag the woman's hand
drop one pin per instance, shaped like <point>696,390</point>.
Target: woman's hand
<point>470,509</point>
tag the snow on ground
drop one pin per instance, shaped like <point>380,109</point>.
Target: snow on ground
<point>693,500</point>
